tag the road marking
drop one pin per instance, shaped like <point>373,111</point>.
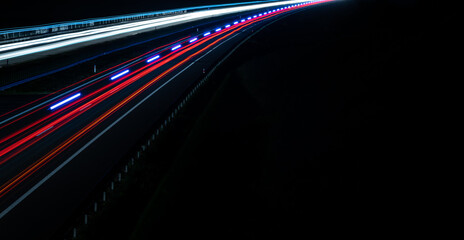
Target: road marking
<point>44,131</point>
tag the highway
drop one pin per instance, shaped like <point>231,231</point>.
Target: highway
<point>55,150</point>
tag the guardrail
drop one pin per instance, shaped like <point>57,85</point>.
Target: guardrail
<point>26,33</point>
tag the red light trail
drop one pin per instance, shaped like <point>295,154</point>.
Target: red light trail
<point>27,136</point>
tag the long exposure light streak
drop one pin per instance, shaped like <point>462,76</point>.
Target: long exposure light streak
<point>66,90</point>
<point>12,50</point>
<point>33,168</point>
<point>153,58</point>
<point>176,47</point>
<point>34,126</point>
<point>65,101</point>
<point>90,100</point>
<point>120,74</point>
<point>101,95</point>
<point>112,91</point>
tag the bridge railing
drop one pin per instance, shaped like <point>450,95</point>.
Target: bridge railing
<point>27,33</point>
<point>21,34</point>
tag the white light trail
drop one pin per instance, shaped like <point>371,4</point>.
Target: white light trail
<point>13,50</point>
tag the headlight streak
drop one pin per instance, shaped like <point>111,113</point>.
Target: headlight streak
<point>120,74</point>
<point>176,47</point>
<point>84,85</point>
<point>13,182</point>
<point>153,58</point>
<point>62,102</point>
<point>50,43</point>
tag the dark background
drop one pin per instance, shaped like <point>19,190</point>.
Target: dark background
<point>350,113</point>
<point>322,129</point>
